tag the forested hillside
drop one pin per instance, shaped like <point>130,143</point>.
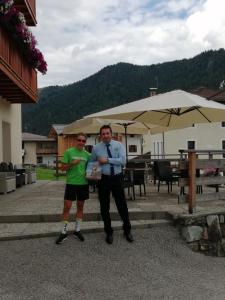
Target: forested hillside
<point>119,84</point>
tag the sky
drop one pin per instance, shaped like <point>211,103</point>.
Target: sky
<point>80,37</point>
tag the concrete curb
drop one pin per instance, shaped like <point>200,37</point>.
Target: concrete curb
<point>98,228</point>
<point>43,218</point>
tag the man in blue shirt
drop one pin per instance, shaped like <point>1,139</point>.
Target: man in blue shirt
<point>111,155</point>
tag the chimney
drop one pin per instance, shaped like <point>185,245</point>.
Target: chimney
<point>152,91</point>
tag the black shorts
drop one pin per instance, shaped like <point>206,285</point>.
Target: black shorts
<point>76,192</point>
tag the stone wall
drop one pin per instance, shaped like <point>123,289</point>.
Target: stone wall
<point>205,233</point>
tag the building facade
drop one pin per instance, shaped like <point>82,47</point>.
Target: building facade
<point>18,84</point>
<point>39,149</point>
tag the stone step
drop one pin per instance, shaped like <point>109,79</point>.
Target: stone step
<point>39,218</point>
<point>10,231</point>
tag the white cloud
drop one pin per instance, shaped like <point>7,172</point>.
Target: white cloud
<point>79,37</point>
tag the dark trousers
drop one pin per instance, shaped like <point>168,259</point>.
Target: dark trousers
<point>107,185</point>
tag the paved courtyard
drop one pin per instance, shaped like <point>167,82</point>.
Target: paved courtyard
<point>158,265</point>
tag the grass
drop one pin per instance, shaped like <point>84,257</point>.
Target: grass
<point>48,174</point>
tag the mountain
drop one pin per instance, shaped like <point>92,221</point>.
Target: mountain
<point>118,84</point>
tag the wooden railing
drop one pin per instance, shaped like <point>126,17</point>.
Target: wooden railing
<point>18,81</point>
<point>28,8</point>
<point>32,4</point>
<point>46,151</point>
<point>192,180</point>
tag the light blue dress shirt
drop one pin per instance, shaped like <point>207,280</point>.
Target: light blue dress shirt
<point>118,159</point>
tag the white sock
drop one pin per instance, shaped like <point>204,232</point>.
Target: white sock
<point>64,231</point>
<point>77,224</point>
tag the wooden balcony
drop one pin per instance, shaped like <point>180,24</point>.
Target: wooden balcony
<point>28,8</point>
<point>18,81</point>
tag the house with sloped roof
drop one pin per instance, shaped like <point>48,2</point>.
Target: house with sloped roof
<point>39,149</point>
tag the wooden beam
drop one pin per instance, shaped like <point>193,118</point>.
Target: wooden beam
<point>192,183</point>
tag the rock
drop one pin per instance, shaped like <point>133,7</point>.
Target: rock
<point>204,246</point>
<point>221,218</point>
<point>192,233</point>
<point>194,246</point>
<point>198,221</point>
<point>222,228</point>
<point>211,218</point>
<point>220,250</point>
<point>205,235</point>
<point>214,231</point>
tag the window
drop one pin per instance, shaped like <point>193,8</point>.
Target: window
<point>158,149</point>
<point>133,148</point>
<point>39,159</point>
<point>191,145</point>
<point>46,145</point>
<point>222,124</point>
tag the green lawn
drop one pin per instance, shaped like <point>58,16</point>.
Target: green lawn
<point>48,174</point>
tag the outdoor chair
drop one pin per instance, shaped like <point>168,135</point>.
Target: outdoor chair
<point>128,183</point>
<point>165,174</point>
<point>184,174</point>
<point>138,169</point>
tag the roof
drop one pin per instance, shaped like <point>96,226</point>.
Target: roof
<point>210,94</point>
<point>26,136</point>
<point>58,128</point>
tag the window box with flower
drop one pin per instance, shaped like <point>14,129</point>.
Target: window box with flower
<point>14,22</point>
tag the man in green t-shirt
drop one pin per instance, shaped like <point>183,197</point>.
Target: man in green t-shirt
<point>74,162</point>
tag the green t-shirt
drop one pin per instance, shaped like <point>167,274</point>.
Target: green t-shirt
<point>77,174</point>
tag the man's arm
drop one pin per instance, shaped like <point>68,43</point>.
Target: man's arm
<point>67,166</point>
<point>120,161</point>
<point>67,163</point>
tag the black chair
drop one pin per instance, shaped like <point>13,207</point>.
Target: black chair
<point>184,174</point>
<point>128,182</point>
<point>138,175</point>
<point>155,172</point>
<point>165,174</point>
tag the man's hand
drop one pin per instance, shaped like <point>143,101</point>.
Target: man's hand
<point>103,160</point>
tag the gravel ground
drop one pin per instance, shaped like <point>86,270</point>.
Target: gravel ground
<point>158,265</point>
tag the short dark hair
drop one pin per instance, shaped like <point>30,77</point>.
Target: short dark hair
<point>105,127</point>
<point>81,134</point>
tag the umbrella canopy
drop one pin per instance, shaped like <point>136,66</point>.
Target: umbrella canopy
<point>175,109</point>
<point>92,125</point>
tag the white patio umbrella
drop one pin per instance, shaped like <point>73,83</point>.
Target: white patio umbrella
<point>92,125</point>
<point>172,110</point>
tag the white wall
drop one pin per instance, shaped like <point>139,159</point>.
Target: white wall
<point>11,113</point>
<point>30,156</point>
<point>206,136</point>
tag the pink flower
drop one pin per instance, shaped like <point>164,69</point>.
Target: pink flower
<point>14,21</point>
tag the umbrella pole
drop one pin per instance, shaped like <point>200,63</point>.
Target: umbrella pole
<point>125,129</point>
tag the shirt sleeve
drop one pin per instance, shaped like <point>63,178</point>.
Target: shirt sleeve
<point>66,158</point>
<point>93,156</point>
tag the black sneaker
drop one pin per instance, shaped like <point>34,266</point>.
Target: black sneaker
<point>78,234</point>
<point>62,237</point>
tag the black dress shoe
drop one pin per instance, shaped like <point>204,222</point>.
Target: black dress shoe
<point>129,237</point>
<point>109,239</point>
